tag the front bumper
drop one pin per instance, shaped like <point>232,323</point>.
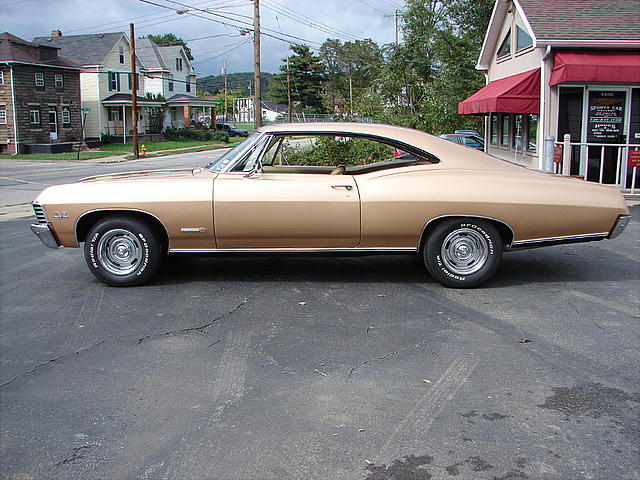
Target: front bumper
<point>44,233</point>
<point>620,225</point>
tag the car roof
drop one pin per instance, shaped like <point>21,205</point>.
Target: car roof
<point>450,154</point>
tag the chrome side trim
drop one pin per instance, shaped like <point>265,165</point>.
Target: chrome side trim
<point>296,250</point>
<point>621,223</point>
<point>461,215</point>
<point>44,233</point>
<point>565,239</point>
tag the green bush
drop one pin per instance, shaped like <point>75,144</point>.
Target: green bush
<point>106,138</point>
<point>329,151</point>
<point>178,134</point>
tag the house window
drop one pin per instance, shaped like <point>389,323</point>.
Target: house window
<point>517,140</point>
<point>121,54</point>
<point>494,129</point>
<point>1,78</point>
<point>39,79</point>
<point>505,47</point>
<point>3,117</point>
<point>170,85</point>
<point>59,80</point>
<point>114,81</point>
<point>505,130</point>
<point>34,117</point>
<point>130,83</point>
<point>188,86</point>
<point>179,64</point>
<point>115,114</point>
<point>523,39</point>
<point>66,116</point>
<point>533,132</point>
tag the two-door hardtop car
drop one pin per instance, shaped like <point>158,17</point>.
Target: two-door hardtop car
<point>328,188</point>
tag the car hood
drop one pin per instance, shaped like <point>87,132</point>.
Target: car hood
<point>145,174</point>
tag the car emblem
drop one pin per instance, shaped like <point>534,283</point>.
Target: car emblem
<point>193,229</point>
<point>61,215</point>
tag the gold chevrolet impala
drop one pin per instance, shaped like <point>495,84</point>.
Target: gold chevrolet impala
<point>328,188</point>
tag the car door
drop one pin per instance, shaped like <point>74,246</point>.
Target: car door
<point>285,210</point>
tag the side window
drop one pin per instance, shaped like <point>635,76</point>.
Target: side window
<point>505,47</point>
<point>494,129</point>
<point>523,39</point>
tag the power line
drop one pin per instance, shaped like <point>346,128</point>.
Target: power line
<point>308,21</point>
<point>371,6</point>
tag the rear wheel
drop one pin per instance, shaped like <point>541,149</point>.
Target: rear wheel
<point>123,251</point>
<point>463,252</point>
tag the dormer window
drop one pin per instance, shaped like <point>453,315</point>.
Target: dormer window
<point>523,39</point>
<point>121,54</point>
<point>179,64</point>
<point>505,47</point>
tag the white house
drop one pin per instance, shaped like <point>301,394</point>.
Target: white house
<point>105,81</point>
<point>169,73</point>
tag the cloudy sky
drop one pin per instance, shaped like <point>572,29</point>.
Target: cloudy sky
<point>300,21</point>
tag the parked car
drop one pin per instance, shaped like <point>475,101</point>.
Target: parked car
<point>328,188</point>
<point>468,140</point>
<point>469,131</point>
<point>231,130</point>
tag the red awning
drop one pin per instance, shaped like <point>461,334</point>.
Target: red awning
<point>595,67</point>
<point>516,94</point>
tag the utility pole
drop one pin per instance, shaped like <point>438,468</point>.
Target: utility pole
<point>257,98</point>
<point>289,106</point>
<point>351,95</point>
<point>134,94</point>
<point>395,16</point>
<point>225,90</point>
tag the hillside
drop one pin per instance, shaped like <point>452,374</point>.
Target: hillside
<point>235,81</point>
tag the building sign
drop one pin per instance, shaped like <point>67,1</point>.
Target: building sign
<point>606,117</point>
<point>633,159</point>
<point>557,154</point>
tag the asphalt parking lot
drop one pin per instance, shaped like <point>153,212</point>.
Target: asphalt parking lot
<point>320,368</point>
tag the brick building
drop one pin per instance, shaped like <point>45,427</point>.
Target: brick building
<point>41,91</point>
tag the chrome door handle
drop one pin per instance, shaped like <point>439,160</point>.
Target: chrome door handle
<point>348,187</point>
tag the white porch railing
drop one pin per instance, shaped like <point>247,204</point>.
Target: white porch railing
<point>599,162</point>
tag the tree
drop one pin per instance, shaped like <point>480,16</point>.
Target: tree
<point>351,68</point>
<point>156,113</point>
<point>426,76</point>
<point>169,40</point>
<point>307,78</point>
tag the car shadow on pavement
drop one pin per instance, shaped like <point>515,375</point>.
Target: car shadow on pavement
<point>550,265</point>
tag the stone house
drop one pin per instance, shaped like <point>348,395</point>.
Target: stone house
<point>39,98</point>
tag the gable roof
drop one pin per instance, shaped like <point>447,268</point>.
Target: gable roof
<point>583,19</point>
<point>169,55</point>
<point>84,49</point>
<point>15,49</point>
<point>604,23</point>
<point>149,52</point>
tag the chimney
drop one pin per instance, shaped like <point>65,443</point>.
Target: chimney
<point>56,33</point>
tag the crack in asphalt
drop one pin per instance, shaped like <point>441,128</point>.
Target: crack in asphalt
<point>75,455</point>
<point>199,328</point>
<point>53,360</point>
<point>415,346</point>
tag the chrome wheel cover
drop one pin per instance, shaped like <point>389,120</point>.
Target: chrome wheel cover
<point>119,252</point>
<point>464,251</point>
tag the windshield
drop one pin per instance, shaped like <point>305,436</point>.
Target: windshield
<point>227,158</point>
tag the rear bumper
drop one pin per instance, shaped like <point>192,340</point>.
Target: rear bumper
<point>44,233</point>
<point>620,225</point>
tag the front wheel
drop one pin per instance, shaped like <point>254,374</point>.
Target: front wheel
<point>463,252</point>
<point>123,251</point>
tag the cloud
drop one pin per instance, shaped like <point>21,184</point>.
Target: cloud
<point>32,18</point>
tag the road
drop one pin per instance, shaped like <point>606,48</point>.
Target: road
<point>317,368</point>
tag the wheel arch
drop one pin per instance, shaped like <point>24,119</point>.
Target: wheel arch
<point>506,232</point>
<point>88,219</point>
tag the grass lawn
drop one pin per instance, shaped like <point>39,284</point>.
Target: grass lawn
<point>60,156</point>
<point>152,146</point>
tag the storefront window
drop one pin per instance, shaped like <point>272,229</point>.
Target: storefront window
<point>505,130</point>
<point>518,131</point>
<point>533,132</point>
<point>494,129</point>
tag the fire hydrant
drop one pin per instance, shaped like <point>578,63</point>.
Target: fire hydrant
<point>143,149</point>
